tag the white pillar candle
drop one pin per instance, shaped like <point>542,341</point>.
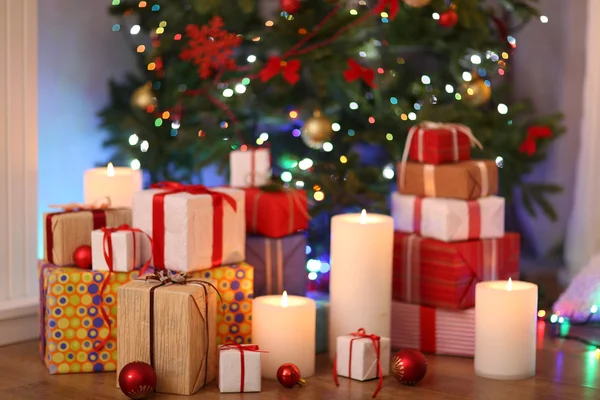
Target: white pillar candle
<point>117,183</point>
<point>505,329</point>
<point>360,285</point>
<point>285,327</point>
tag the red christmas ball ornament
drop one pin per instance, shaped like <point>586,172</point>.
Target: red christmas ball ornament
<point>448,19</point>
<point>290,6</point>
<point>82,256</point>
<point>137,380</point>
<point>289,375</point>
<point>409,366</point>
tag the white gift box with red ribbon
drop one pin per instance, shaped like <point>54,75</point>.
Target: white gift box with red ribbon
<point>250,167</point>
<point>235,377</point>
<point>357,357</point>
<point>125,251</point>
<point>449,220</point>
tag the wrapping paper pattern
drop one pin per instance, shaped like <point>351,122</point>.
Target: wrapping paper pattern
<point>70,321</point>
<point>437,146</point>
<point>276,214</point>
<point>431,330</point>
<point>235,284</point>
<point>449,220</point>
<point>249,168</point>
<point>279,264</point>
<point>433,273</point>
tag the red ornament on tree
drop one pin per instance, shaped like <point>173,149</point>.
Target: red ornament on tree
<point>289,376</point>
<point>448,19</point>
<point>137,380</point>
<point>409,366</point>
<point>290,6</point>
<point>82,256</point>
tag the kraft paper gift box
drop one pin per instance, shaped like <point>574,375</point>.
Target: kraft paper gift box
<point>71,323</point>
<point>66,231</point>
<point>236,285</point>
<point>433,330</point>
<point>192,228</point>
<point>277,212</point>
<point>124,249</point>
<point>466,180</point>
<point>435,143</point>
<point>433,273</point>
<point>279,264</point>
<point>449,220</point>
<point>250,167</point>
<point>172,327</point>
<point>364,357</point>
<point>233,378</point>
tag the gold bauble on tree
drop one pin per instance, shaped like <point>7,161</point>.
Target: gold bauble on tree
<point>476,92</point>
<point>143,97</point>
<point>317,130</point>
<point>417,3</point>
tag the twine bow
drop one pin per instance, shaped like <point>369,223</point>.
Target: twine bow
<point>251,348</point>
<point>376,340</point>
<point>454,128</point>
<point>356,71</point>
<point>289,70</point>
<point>100,204</point>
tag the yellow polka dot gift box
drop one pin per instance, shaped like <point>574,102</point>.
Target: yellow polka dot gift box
<point>75,332</point>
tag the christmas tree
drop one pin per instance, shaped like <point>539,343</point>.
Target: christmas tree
<point>331,86</point>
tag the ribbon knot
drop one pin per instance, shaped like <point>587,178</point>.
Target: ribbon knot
<point>100,204</point>
<point>242,349</point>
<point>529,145</point>
<point>356,71</point>
<point>289,70</point>
<point>394,7</point>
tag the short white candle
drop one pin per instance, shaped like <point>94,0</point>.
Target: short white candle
<point>360,285</point>
<point>505,329</point>
<point>117,183</point>
<point>285,326</point>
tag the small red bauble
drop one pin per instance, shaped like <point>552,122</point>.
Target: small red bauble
<point>290,6</point>
<point>137,380</point>
<point>82,256</point>
<point>409,366</point>
<point>289,375</point>
<point>448,19</point>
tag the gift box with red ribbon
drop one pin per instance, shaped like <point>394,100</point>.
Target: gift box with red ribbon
<point>67,230</point>
<point>449,220</point>
<point>239,368</point>
<point>192,227</point>
<point>438,143</point>
<point>433,273</point>
<point>249,167</point>
<point>433,330</point>
<point>116,249</point>
<point>276,212</point>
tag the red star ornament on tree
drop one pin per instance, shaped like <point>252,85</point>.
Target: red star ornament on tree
<point>210,47</point>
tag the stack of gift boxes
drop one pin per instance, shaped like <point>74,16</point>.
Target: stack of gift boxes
<point>449,236</point>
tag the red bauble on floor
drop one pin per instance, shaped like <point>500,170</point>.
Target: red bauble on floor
<point>448,19</point>
<point>82,256</point>
<point>409,366</point>
<point>137,380</point>
<point>290,6</point>
<point>289,375</point>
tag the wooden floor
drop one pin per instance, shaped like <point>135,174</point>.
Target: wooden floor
<point>565,370</point>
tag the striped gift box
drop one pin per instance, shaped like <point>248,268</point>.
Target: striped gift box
<point>433,330</point>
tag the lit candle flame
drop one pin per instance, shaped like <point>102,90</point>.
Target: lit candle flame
<point>284,299</point>
<point>509,284</point>
<point>363,217</point>
<point>110,169</point>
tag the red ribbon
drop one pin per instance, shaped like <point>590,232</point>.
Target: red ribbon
<point>383,4</point>
<point>242,348</point>
<point>427,329</point>
<point>529,145</point>
<point>356,71</point>
<point>158,218</point>
<point>289,70</point>
<point>362,334</point>
<point>107,249</point>
<point>418,215</point>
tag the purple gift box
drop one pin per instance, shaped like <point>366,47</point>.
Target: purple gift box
<point>279,264</point>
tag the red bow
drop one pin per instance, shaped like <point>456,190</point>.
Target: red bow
<point>381,6</point>
<point>529,145</point>
<point>242,348</point>
<point>356,71</point>
<point>362,334</point>
<point>289,70</point>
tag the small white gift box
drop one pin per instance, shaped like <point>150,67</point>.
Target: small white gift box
<point>357,357</point>
<point>125,247</point>
<point>232,377</point>
<point>250,167</point>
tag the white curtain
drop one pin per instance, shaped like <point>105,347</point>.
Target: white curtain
<point>583,232</point>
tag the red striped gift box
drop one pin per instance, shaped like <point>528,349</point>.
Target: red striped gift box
<point>435,143</point>
<point>433,330</point>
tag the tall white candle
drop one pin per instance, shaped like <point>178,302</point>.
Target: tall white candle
<point>360,285</point>
<point>505,329</point>
<point>117,183</point>
<point>285,326</point>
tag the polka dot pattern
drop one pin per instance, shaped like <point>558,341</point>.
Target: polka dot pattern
<point>73,321</point>
<point>235,283</point>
